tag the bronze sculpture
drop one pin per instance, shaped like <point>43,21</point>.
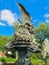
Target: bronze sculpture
<point>23,39</point>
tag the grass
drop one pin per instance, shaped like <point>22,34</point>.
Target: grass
<point>8,59</point>
<point>36,59</point>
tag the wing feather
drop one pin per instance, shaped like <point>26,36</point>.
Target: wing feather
<point>25,15</point>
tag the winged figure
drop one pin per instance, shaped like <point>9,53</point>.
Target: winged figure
<point>25,15</point>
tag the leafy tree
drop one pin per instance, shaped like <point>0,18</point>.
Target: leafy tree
<point>42,32</point>
<point>47,31</point>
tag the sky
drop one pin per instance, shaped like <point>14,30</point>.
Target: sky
<point>9,13</point>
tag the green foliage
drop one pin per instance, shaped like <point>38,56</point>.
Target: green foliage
<point>42,27</point>
<point>47,33</point>
<point>36,55</point>
<point>8,59</point>
<point>36,59</point>
<point>42,32</point>
<point>3,41</point>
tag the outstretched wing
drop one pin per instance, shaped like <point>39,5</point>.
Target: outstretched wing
<point>25,15</point>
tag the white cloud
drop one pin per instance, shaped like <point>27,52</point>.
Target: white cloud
<point>46,15</point>
<point>2,24</point>
<point>47,20</point>
<point>8,16</point>
<point>35,20</point>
